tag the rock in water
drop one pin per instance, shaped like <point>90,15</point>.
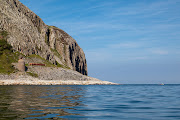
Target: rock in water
<point>28,34</point>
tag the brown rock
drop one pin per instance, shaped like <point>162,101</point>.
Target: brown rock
<point>21,65</point>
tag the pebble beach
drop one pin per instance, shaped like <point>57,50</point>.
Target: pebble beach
<point>64,79</point>
<point>50,76</point>
<point>53,82</point>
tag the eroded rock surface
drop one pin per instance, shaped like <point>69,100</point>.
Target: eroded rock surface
<point>28,34</point>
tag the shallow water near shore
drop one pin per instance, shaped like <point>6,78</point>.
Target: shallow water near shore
<point>126,102</point>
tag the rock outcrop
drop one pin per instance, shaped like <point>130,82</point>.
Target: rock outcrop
<point>28,34</point>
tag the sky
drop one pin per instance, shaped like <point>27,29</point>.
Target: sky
<point>125,41</point>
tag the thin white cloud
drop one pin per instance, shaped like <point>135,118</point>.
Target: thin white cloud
<point>154,8</point>
<point>140,58</point>
<point>177,52</point>
<point>121,52</point>
<point>159,51</point>
<point>126,45</point>
<point>106,55</point>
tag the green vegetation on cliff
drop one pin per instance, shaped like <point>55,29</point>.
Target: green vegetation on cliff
<point>46,62</point>
<point>32,74</point>
<point>7,56</point>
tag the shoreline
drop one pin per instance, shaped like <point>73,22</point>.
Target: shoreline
<point>50,76</point>
<point>53,82</point>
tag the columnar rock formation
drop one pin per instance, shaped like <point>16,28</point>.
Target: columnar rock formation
<point>28,34</point>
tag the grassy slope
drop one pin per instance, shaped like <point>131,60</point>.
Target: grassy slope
<point>47,63</point>
<point>7,56</point>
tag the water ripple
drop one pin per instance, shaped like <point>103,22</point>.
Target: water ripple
<point>127,102</point>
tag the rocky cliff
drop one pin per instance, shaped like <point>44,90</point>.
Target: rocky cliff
<point>29,35</point>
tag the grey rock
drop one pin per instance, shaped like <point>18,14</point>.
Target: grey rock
<point>28,34</point>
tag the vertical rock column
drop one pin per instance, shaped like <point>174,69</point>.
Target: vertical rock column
<point>21,65</point>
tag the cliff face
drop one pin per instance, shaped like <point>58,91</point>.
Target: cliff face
<point>28,34</point>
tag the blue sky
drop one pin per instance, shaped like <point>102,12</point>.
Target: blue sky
<point>125,41</point>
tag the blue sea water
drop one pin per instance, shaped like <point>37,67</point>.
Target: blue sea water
<point>116,102</point>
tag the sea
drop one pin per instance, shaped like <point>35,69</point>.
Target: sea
<point>91,102</point>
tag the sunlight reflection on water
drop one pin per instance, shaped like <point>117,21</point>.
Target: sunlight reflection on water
<point>128,102</point>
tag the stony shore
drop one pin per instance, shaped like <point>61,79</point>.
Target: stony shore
<point>50,76</point>
<point>53,82</point>
<point>28,80</point>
